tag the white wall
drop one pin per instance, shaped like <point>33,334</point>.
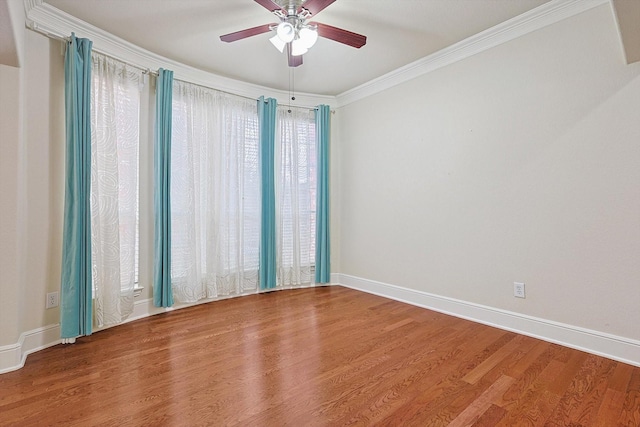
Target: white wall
<point>521,163</point>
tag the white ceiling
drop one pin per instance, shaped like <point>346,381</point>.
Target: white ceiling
<point>398,32</point>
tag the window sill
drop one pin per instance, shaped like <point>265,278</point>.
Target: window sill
<point>137,291</point>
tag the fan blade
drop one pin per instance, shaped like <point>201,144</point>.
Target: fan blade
<point>315,6</point>
<point>294,61</point>
<point>269,5</point>
<point>340,35</point>
<point>243,34</point>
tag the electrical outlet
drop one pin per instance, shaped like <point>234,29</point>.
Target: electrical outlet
<point>52,300</point>
<point>518,289</point>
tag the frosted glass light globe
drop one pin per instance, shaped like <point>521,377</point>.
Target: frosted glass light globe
<point>298,48</point>
<point>286,32</point>
<point>308,37</point>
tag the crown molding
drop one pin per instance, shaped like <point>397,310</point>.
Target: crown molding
<point>535,19</point>
<point>54,23</point>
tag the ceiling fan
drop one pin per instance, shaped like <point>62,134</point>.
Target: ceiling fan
<point>294,32</point>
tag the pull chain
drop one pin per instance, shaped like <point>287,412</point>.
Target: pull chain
<point>292,96</point>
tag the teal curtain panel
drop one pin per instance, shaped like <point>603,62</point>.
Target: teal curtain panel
<point>323,254</point>
<point>267,128</point>
<point>76,296</point>
<point>162,292</point>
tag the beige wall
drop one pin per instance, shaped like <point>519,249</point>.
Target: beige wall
<point>31,168</point>
<point>334,190</point>
<point>11,176</point>
<point>521,163</point>
<point>45,140</point>
<point>12,169</point>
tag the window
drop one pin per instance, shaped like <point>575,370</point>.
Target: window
<point>215,194</point>
<point>115,116</point>
<point>296,196</point>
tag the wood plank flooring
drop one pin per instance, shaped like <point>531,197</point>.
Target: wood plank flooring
<point>327,356</point>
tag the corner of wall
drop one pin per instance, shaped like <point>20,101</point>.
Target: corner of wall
<point>16,16</point>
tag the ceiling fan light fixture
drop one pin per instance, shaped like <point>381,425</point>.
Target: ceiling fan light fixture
<point>278,43</point>
<point>308,36</point>
<point>298,47</point>
<point>293,29</point>
<point>285,32</point>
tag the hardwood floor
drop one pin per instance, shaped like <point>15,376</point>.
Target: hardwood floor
<point>322,356</point>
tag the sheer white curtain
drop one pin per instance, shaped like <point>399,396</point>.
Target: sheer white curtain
<point>115,112</point>
<point>296,196</point>
<point>215,194</point>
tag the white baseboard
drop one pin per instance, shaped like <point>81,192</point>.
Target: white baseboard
<point>145,308</point>
<point>13,356</point>
<point>602,344</point>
